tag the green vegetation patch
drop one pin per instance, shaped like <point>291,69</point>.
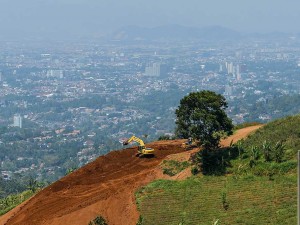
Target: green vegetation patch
<point>173,167</point>
<point>271,150</point>
<point>99,220</point>
<point>11,201</point>
<point>261,168</point>
<point>231,200</point>
<point>285,130</point>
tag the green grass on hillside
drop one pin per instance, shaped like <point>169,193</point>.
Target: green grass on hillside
<point>256,183</point>
<point>286,130</point>
<point>252,151</point>
<point>198,200</point>
<point>173,167</point>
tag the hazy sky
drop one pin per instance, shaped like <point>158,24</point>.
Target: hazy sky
<point>93,17</point>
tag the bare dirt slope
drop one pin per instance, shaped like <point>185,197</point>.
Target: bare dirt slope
<point>104,187</point>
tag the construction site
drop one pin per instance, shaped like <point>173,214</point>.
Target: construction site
<point>104,187</point>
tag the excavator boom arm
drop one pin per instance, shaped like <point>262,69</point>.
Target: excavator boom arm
<point>135,139</point>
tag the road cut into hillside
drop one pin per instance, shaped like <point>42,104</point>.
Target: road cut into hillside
<point>104,187</point>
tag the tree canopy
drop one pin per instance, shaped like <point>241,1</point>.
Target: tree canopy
<point>201,115</point>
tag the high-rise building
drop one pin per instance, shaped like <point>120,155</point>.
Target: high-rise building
<point>153,70</point>
<point>221,68</point>
<point>237,69</point>
<point>156,69</point>
<point>17,121</point>
<point>230,68</point>
<point>228,90</point>
<point>238,73</point>
<point>148,71</point>
<point>55,73</point>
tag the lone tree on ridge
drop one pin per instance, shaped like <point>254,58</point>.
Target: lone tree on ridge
<point>201,115</point>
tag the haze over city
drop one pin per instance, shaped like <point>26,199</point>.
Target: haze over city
<point>78,18</point>
<point>136,112</point>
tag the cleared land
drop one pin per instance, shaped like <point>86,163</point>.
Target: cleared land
<point>104,187</point>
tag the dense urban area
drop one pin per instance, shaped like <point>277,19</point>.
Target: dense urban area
<point>62,105</point>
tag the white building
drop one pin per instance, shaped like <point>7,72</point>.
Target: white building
<point>153,70</point>
<point>156,69</point>
<point>228,90</point>
<point>238,73</point>
<point>55,73</point>
<point>230,68</point>
<point>221,68</point>
<point>17,121</point>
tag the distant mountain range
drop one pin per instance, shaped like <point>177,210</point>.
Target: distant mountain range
<point>178,32</point>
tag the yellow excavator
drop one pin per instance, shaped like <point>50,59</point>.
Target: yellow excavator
<point>142,150</point>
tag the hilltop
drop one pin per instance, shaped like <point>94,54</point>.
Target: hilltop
<point>173,32</point>
<point>104,187</point>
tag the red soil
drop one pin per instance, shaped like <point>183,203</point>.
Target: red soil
<point>104,187</point>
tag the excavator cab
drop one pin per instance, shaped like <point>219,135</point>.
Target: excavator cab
<point>145,151</point>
